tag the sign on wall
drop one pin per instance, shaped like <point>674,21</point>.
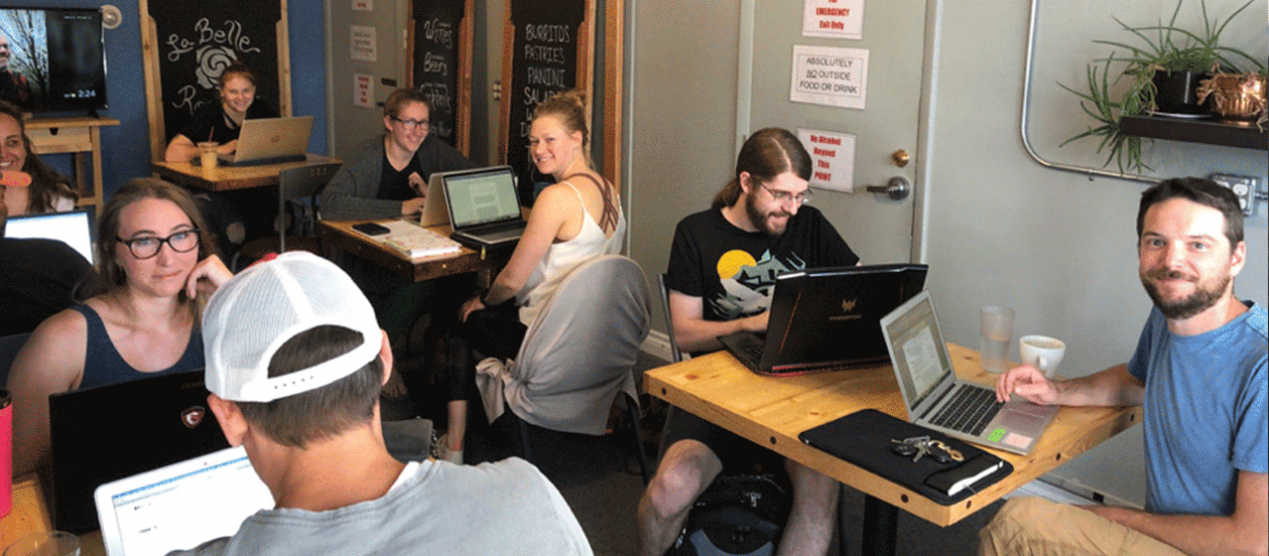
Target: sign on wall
<point>834,19</point>
<point>829,76</point>
<point>438,64</point>
<point>832,159</point>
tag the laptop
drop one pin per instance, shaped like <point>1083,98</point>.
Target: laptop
<point>826,319</point>
<point>435,209</point>
<point>180,506</point>
<point>484,207</point>
<point>936,399</point>
<point>72,228</point>
<point>269,141</point>
<point>110,432</point>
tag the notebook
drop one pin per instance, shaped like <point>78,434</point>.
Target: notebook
<point>936,399</point>
<point>72,227</point>
<point>179,506</point>
<point>110,432</point>
<point>415,241</point>
<point>270,141</point>
<point>484,207</point>
<point>826,319</point>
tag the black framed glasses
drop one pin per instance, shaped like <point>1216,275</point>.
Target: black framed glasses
<point>784,196</point>
<point>414,124</point>
<point>145,247</point>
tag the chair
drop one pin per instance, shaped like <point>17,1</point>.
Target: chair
<point>9,347</point>
<point>293,184</point>
<point>577,355</point>
<point>675,354</point>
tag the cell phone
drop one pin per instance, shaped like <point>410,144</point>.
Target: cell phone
<point>370,229</point>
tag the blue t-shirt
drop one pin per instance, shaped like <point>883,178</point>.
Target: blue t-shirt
<point>1205,417</point>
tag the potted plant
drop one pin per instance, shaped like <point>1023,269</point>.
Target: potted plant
<point>1163,70</point>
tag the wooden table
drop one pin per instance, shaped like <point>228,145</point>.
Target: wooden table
<point>339,233</point>
<point>773,411</point>
<point>226,178</point>
<point>30,515</point>
<point>79,136</point>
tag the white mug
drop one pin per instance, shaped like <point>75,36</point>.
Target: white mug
<point>1042,352</point>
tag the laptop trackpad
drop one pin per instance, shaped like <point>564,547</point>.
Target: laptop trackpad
<point>1026,418</point>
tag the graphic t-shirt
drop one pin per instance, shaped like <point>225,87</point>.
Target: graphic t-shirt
<point>733,270</point>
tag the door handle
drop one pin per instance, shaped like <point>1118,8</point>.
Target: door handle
<point>897,188</point>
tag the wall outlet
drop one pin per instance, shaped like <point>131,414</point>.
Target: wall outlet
<point>1243,186</point>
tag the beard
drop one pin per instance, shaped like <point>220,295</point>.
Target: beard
<point>1205,294</point>
<point>759,219</point>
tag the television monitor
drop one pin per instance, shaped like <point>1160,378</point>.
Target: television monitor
<point>52,59</point>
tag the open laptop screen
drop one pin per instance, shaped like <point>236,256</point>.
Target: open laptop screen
<point>69,227</point>
<point>482,197</point>
<point>914,332</point>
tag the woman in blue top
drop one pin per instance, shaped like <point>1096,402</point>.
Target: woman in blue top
<point>155,270</point>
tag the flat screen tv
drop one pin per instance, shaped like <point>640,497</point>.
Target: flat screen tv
<point>52,59</point>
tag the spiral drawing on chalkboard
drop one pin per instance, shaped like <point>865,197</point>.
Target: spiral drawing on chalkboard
<point>212,61</point>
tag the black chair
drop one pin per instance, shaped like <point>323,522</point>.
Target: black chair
<point>675,354</point>
<point>294,184</point>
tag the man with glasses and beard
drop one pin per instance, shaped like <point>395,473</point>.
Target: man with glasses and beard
<point>1200,372</point>
<point>722,270</point>
<point>14,86</point>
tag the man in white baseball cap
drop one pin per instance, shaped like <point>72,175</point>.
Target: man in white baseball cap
<point>295,361</point>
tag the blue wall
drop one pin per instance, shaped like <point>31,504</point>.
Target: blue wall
<point>126,147</point>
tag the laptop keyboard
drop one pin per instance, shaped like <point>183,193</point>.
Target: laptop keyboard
<point>969,410</point>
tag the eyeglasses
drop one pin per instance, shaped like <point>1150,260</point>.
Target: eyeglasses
<point>145,247</point>
<point>784,196</point>
<point>414,124</point>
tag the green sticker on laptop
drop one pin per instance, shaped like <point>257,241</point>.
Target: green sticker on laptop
<point>997,434</point>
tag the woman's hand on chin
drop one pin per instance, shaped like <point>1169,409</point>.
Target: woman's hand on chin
<point>208,275</point>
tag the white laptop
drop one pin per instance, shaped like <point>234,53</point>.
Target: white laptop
<point>435,209</point>
<point>71,227</point>
<point>484,207</point>
<point>936,399</point>
<point>180,506</point>
<point>270,141</point>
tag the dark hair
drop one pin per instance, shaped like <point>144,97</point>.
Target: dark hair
<point>110,274</point>
<point>392,106</point>
<point>324,412</point>
<point>46,183</point>
<point>237,69</point>
<point>570,106</point>
<point>766,154</point>
<point>1199,190</point>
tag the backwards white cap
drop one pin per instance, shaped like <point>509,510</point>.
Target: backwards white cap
<point>266,305</point>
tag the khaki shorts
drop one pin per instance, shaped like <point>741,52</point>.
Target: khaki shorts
<point>1028,526</point>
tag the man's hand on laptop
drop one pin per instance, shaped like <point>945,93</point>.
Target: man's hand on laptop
<point>756,323</point>
<point>228,148</point>
<point>412,206</point>
<point>417,184</point>
<point>1028,382</point>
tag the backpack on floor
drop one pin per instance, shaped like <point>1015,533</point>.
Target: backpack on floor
<point>738,515</point>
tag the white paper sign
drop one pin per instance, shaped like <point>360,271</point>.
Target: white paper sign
<point>832,158</point>
<point>363,5</point>
<point>363,90</point>
<point>361,39</point>
<point>834,19</point>
<point>829,76</point>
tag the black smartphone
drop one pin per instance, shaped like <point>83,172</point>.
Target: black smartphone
<point>370,229</point>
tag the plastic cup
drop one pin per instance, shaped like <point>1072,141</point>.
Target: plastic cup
<point>45,543</point>
<point>1042,352</point>
<point>997,334</point>
<point>207,155</point>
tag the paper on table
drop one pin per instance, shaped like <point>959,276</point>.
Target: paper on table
<point>417,242</point>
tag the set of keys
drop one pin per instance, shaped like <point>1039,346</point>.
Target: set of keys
<point>918,446</point>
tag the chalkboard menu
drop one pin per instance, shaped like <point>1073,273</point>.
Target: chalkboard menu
<point>198,40</point>
<point>543,59</point>
<point>437,67</point>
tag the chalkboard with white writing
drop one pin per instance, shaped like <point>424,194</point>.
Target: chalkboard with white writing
<point>438,65</point>
<point>548,51</point>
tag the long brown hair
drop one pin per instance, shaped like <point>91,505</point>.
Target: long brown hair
<point>766,154</point>
<point>46,183</point>
<point>110,275</point>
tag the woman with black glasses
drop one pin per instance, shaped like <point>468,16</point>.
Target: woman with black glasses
<point>155,270</point>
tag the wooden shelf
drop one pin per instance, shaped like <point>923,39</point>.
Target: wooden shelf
<point>80,137</point>
<point>1196,131</point>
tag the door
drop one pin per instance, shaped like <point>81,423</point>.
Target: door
<point>877,227</point>
<point>378,31</point>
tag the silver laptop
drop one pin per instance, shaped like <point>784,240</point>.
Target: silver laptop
<point>936,399</point>
<point>270,141</point>
<point>71,228</point>
<point>484,207</point>
<point>180,506</point>
<point>435,209</point>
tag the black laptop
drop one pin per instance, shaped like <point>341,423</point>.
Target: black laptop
<point>484,207</point>
<point>826,319</point>
<point>110,432</point>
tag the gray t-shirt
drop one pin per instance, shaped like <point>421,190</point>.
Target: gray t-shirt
<point>506,507</point>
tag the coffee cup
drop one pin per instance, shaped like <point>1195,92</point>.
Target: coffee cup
<point>1042,352</point>
<point>207,154</point>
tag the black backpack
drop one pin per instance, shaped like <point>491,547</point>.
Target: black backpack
<point>737,515</point>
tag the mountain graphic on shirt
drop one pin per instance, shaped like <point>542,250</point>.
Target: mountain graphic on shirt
<point>747,290</point>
